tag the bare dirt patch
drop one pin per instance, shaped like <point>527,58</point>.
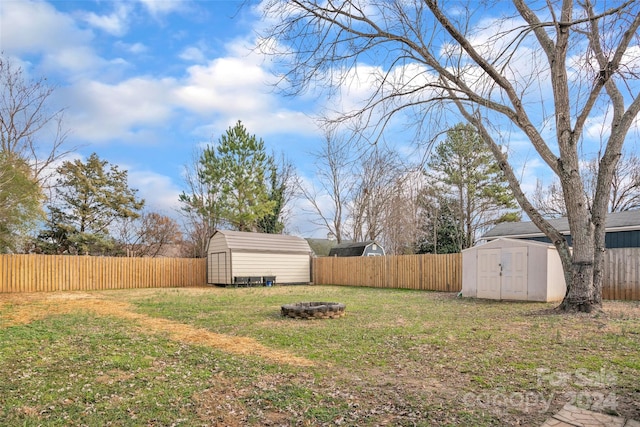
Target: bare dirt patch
<point>22,309</point>
<point>221,404</point>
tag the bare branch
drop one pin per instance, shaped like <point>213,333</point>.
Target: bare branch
<point>25,119</point>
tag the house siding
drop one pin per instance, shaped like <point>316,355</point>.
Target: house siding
<point>622,230</point>
<point>612,240</point>
<point>623,239</point>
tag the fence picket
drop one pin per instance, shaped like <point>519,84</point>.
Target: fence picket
<point>47,273</point>
<point>444,272</point>
<point>38,273</point>
<point>427,272</point>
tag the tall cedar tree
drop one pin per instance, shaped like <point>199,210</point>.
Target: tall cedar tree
<point>464,169</point>
<point>272,222</point>
<point>238,168</point>
<point>91,197</point>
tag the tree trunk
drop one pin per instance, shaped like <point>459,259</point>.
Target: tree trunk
<point>585,272</point>
<point>580,295</point>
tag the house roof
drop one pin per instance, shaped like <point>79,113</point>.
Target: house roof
<point>616,221</point>
<point>262,242</point>
<point>350,248</point>
<point>321,247</point>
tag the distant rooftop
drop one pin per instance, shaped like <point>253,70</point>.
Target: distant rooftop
<point>350,248</point>
<point>617,221</point>
<point>321,247</point>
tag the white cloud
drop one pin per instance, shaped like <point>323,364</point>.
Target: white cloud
<point>232,89</point>
<point>74,62</point>
<point>36,27</point>
<point>159,192</point>
<point>282,121</point>
<point>192,54</point>
<point>102,112</point>
<point>225,84</point>
<point>135,48</point>
<point>115,23</point>
<point>163,7</point>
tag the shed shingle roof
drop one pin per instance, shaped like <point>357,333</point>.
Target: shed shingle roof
<point>351,248</point>
<point>248,241</point>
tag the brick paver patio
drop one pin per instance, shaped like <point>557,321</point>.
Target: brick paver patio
<point>571,416</point>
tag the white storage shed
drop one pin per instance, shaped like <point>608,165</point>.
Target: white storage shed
<point>510,269</point>
<point>243,258</point>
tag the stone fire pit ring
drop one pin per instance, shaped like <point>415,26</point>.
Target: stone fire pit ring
<point>313,310</point>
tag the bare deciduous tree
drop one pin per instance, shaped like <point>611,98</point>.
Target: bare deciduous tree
<point>576,57</point>
<point>625,188</point>
<point>28,128</point>
<point>336,182</point>
<point>359,194</point>
<point>549,201</point>
<point>150,235</point>
<point>199,210</point>
<point>379,173</point>
<point>403,214</point>
<point>625,184</point>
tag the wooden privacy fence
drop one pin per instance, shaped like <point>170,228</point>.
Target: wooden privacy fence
<point>444,272</point>
<point>426,272</point>
<point>45,273</point>
<point>622,274</point>
<point>37,273</point>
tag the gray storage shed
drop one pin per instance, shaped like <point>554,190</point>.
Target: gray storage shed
<point>368,248</point>
<point>511,269</point>
<point>237,257</point>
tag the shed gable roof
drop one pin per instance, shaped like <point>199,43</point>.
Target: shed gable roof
<point>497,243</point>
<point>616,221</point>
<point>350,248</point>
<point>262,242</point>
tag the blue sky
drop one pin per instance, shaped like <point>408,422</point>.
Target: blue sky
<point>145,83</point>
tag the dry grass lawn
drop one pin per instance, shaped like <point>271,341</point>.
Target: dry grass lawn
<point>214,356</point>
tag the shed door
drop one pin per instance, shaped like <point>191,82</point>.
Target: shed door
<point>489,273</point>
<point>217,268</point>
<point>502,273</point>
<point>514,273</point>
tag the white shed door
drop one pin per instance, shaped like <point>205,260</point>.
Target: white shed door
<point>489,273</point>
<point>514,273</point>
<point>502,273</point>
